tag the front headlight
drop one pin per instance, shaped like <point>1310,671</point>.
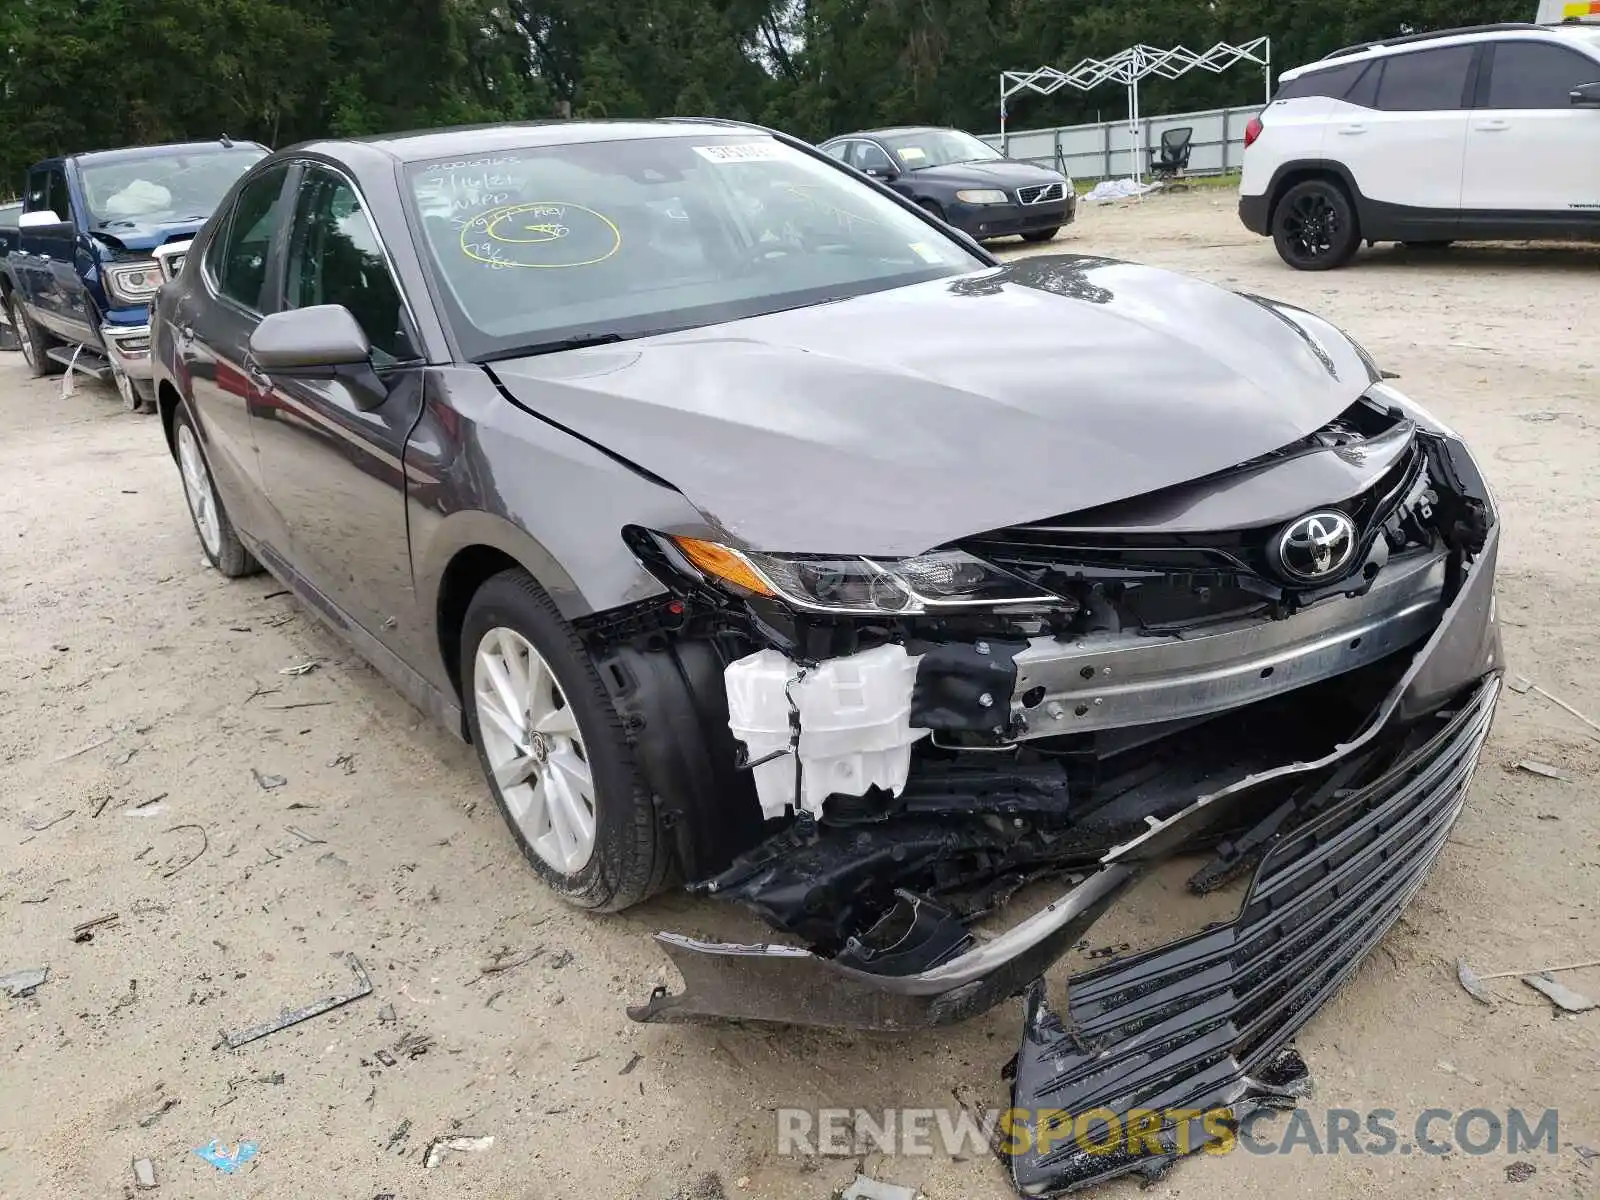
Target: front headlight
<point>942,580</point>
<point>133,282</point>
<point>982,196</point>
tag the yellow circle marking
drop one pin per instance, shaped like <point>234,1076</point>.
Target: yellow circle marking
<point>544,228</point>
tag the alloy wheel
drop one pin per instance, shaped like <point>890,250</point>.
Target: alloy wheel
<point>1312,227</point>
<point>198,491</point>
<point>535,749</point>
<point>25,343</point>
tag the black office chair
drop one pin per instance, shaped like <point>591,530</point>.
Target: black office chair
<point>1171,159</point>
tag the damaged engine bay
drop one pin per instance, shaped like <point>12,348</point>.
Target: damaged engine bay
<point>1289,668</point>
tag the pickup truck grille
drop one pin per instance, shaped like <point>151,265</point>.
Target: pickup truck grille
<point>1039,194</point>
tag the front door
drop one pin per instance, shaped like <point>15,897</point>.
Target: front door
<point>330,452</point>
<point>1529,149</point>
<point>52,285</point>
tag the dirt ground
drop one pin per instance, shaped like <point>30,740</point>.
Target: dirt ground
<point>143,709</point>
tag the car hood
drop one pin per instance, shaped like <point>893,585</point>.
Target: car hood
<point>891,423</point>
<point>135,234</point>
<point>998,174</point>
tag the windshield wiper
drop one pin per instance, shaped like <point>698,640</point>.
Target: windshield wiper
<point>577,341</point>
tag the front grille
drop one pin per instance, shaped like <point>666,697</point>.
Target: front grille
<point>1040,194</point>
<point>1197,1024</point>
<point>1073,543</point>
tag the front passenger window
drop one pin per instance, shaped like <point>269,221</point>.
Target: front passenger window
<point>335,258</point>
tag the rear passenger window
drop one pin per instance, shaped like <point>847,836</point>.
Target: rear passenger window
<point>1425,80</point>
<point>1531,75</point>
<point>1333,82</point>
<point>237,256</point>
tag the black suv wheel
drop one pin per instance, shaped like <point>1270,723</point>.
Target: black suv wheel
<point>1314,226</point>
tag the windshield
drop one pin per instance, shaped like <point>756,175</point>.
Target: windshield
<point>938,148</point>
<point>170,187</point>
<point>624,238</point>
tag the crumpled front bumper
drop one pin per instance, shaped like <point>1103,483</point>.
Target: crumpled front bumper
<point>1391,820</point>
<point>1197,1026</point>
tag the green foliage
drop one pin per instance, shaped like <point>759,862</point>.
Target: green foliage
<point>88,74</point>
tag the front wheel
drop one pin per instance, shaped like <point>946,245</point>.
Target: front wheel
<point>1042,235</point>
<point>553,750</point>
<point>1314,226</point>
<point>223,548</point>
<point>35,342</point>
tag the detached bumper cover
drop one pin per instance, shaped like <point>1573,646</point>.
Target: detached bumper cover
<point>1387,835</point>
<point>128,347</point>
<point>1197,1026</point>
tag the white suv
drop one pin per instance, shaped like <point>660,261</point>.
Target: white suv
<point>1485,133</point>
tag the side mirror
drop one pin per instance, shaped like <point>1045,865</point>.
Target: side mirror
<point>1586,95</point>
<point>321,342</point>
<point>41,218</point>
<point>310,341</point>
<point>886,174</point>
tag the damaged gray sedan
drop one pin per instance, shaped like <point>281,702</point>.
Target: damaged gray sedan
<point>767,537</point>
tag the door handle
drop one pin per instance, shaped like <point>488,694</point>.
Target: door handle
<point>1492,126</point>
<point>1351,130</point>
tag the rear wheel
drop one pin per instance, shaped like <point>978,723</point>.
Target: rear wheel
<point>1042,235</point>
<point>211,524</point>
<point>1314,226</point>
<point>553,750</point>
<point>35,342</point>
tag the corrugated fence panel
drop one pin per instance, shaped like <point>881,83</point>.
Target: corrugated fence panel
<point>1104,150</point>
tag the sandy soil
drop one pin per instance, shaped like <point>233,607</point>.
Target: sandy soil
<point>140,694</point>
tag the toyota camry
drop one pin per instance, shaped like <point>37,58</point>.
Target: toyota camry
<point>766,536</point>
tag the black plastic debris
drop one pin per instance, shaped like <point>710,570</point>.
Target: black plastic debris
<point>294,1016</point>
<point>1520,1172</point>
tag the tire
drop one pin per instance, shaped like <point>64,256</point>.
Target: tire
<point>221,544</point>
<point>1314,226</point>
<point>933,207</point>
<point>35,342</point>
<point>1042,235</point>
<point>623,857</point>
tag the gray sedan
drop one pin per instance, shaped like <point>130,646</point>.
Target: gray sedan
<point>764,535</point>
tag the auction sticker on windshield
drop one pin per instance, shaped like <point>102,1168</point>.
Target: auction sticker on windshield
<point>541,234</point>
<point>740,152</point>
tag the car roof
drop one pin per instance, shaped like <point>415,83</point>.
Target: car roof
<point>1466,36</point>
<point>892,131</point>
<point>424,144</point>
<point>135,153</point>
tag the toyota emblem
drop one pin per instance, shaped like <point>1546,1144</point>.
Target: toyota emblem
<point>1316,548</point>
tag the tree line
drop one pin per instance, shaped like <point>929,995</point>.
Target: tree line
<point>89,74</point>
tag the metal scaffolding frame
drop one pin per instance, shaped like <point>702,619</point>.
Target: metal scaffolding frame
<point>1129,67</point>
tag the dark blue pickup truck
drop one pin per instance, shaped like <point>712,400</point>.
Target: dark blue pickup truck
<point>78,282</point>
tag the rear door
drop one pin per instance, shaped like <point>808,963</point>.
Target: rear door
<point>1529,149</point>
<point>331,449</point>
<point>1404,142</point>
<point>212,326</point>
